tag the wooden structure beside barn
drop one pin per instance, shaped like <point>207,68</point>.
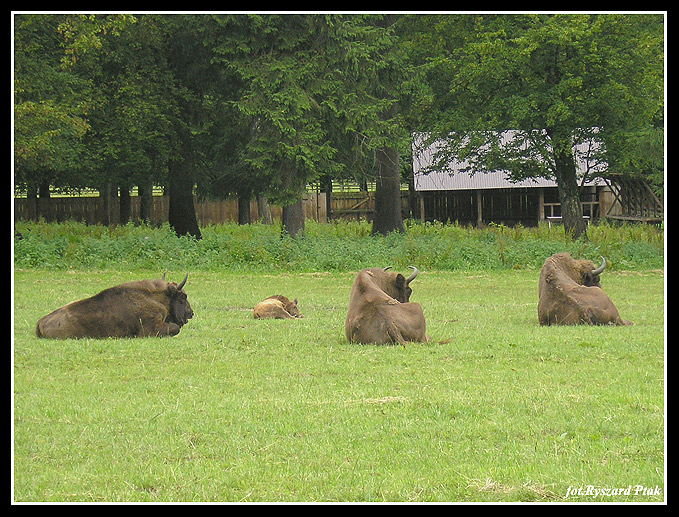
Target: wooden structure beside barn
<point>633,200</point>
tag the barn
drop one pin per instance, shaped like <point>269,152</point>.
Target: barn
<point>478,199</point>
<point>459,195</point>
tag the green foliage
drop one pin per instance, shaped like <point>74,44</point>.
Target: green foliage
<point>338,246</point>
<point>50,104</point>
<point>307,91</point>
<point>264,104</point>
<point>558,82</point>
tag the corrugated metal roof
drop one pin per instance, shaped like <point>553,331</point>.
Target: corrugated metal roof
<point>461,179</point>
<point>479,181</point>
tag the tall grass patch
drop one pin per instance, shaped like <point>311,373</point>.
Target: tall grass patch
<point>338,246</point>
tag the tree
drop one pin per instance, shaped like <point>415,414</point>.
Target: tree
<point>91,91</point>
<point>372,70</point>
<point>302,77</point>
<point>556,80</point>
<point>269,59</point>
<point>388,216</point>
<point>50,108</point>
<point>149,80</point>
<point>131,126</point>
<point>257,105</point>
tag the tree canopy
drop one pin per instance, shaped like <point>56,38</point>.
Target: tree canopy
<point>556,81</point>
<point>264,104</point>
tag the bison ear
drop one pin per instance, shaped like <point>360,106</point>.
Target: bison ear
<point>295,302</point>
<point>400,280</point>
<point>173,289</point>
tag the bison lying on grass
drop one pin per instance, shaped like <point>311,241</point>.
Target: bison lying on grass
<point>135,309</point>
<point>380,311</point>
<point>570,293</point>
<point>277,306</point>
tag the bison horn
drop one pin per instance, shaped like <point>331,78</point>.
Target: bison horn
<point>413,276</point>
<point>387,268</point>
<point>183,281</point>
<point>600,269</point>
<point>163,276</point>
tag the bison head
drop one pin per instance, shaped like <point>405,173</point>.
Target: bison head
<point>582,272</point>
<point>591,278</point>
<point>292,309</point>
<point>394,284</point>
<point>586,273</point>
<point>180,309</point>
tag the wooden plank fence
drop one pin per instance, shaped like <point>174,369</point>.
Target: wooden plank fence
<point>92,210</point>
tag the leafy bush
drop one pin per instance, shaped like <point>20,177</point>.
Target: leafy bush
<point>337,246</point>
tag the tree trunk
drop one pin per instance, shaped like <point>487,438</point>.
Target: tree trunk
<point>182,212</point>
<point>244,210</point>
<point>125,204</point>
<point>43,204</point>
<point>264,210</point>
<point>293,219</point>
<point>326,187</point>
<point>388,216</point>
<point>106,194</point>
<point>567,181</point>
<point>32,198</point>
<point>146,198</point>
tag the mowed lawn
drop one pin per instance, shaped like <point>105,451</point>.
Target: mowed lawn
<point>493,408</point>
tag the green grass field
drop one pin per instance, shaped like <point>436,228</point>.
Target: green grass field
<point>493,408</point>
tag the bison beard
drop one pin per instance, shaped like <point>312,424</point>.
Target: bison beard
<point>380,311</point>
<point>570,293</point>
<point>135,309</point>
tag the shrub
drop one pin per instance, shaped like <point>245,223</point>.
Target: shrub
<point>337,246</point>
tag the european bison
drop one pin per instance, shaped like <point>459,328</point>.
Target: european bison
<point>570,293</point>
<point>380,311</point>
<point>278,307</point>
<point>135,309</point>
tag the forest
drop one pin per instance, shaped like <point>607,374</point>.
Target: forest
<point>263,105</point>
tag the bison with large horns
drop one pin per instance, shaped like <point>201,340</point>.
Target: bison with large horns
<point>570,293</point>
<point>380,311</point>
<point>142,308</point>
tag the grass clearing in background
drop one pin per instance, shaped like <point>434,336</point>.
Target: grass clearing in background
<point>494,408</point>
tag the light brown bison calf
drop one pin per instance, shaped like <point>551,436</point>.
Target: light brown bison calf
<point>278,307</point>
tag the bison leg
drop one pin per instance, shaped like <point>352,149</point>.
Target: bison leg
<point>159,329</point>
<point>273,311</point>
<point>395,335</point>
<point>281,313</point>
